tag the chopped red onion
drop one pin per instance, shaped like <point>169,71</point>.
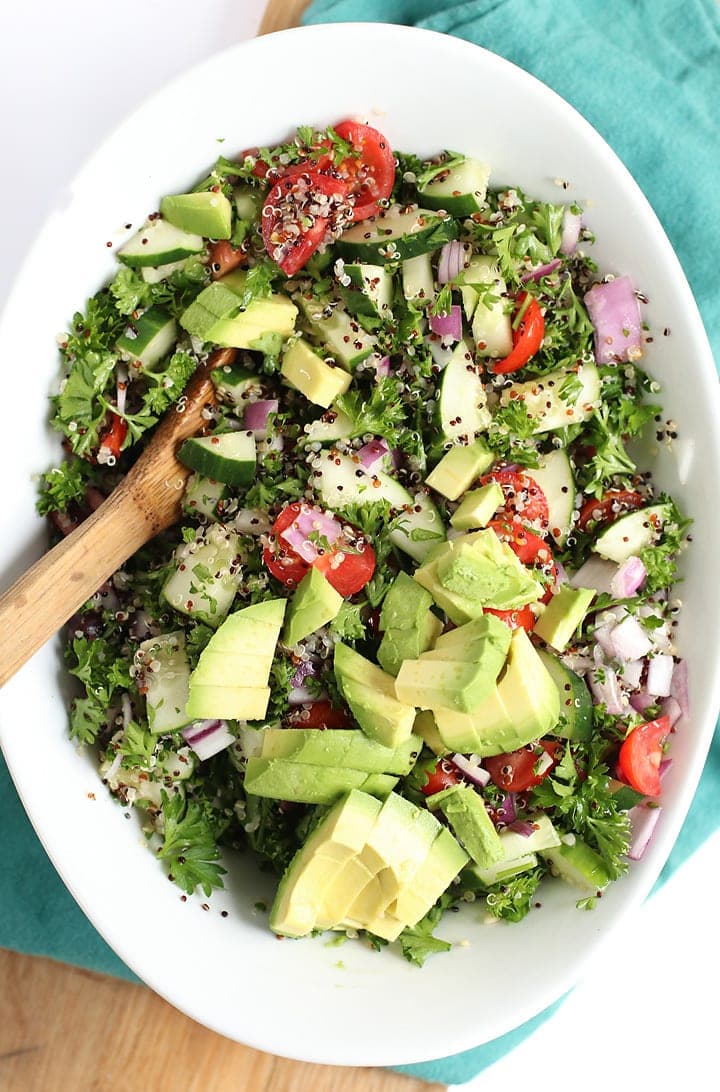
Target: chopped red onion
<point>659,675</point>
<point>605,690</point>
<point>561,576</point>
<point>664,767</point>
<point>505,814</point>
<point>629,577</point>
<point>126,706</point>
<point>448,326</point>
<point>602,636</point>
<point>521,827</point>
<point>310,521</point>
<point>382,366</point>
<point>208,737</point>
<point>453,259</point>
<point>371,453</point>
<point>595,573</point>
<point>630,640</point>
<point>571,226</point>
<point>641,701</point>
<point>643,820</point>
<point>679,691</point>
<point>632,673</point>
<point>670,708</point>
<point>304,669</point>
<point>472,771</point>
<point>256,416</point>
<point>615,314</point>
<point>541,271</point>
<point>142,625</point>
<point>300,695</point>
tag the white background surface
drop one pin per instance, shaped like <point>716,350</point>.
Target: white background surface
<point>645,1013</point>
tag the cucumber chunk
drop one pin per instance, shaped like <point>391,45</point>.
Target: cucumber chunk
<point>228,458</point>
<point>555,478</point>
<point>163,670</point>
<point>630,534</point>
<point>558,399</point>
<point>460,190</point>
<point>158,243</point>
<point>396,234</point>
<point>576,716</point>
<point>463,402</point>
<point>148,339</point>
<point>207,575</point>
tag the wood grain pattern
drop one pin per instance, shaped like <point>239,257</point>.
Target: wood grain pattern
<point>67,1030</point>
<point>146,501</point>
<point>281,14</point>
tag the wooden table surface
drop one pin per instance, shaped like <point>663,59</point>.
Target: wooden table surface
<point>63,1029</point>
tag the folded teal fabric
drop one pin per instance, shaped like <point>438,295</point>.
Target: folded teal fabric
<point>646,73</point>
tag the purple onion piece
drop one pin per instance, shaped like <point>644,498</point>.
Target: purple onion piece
<point>256,415</point>
<point>208,737</point>
<point>615,314</point>
<point>606,691</point>
<point>452,261</point>
<point>315,522</point>
<point>448,326</point>
<point>630,640</point>
<point>679,691</point>
<point>305,669</point>
<point>506,813</point>
<point>382,367</point>
<point>521,827</point>
<point>571,227</point>
<point>541,271</point>
<point>643,820</point>
<point>471,771</point>
<point>641,701</point>
<point>659,675</point>
<point>629,577</point>
<point>372,452</point>
<point>670,708</point>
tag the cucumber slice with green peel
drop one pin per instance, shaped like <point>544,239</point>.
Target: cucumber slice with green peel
<point>487,304</point>
<point>370,291</point>
<point>632,533</point>
<point>149,339</point>
<point>202,496</point>
<point>163,672</point>
<point>555,477</point>
<point>462,405</point>
<point>208,213</point>
<point>418,282</point>
<point>396,234</point>
<point>333,425</point>
<point>558,399</point>
<point>341,480</point>
<point>576,707</point>
<point>339,332</point>
<point>228,458</point>
<point>488,876</point>
<point>580,865</point>
<point>460,190</point>
<point>237,385</point>
<point>207,574</point>
<point>247,202</point>
<point>158,243</point>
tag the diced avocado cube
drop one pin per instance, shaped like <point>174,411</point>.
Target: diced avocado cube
<point>208,213</point>
<point>404,604</point>
<point>300,898</point>
<point>314,604</point>
<point>486,570</point>
<point>459,467</point>
<point>466,813</point>
<point>210,307</point>
<point>477,507</point>
<point>407,644</point>
<point>370,693</point>
<point>563,614</point>
<point>305,783</point>
<point>320,382</point>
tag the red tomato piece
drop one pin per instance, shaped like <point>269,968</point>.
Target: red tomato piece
<point>442,777</point>
<point>301,211</point>
<point>346,567</point>
<point>370,176</point>
<point>516,771</point>
<point>527,336</point>
<point>641,754</point>
<point>113,435</point>
<point>520,618</point>
<point>320,714</point>
<point>261,168</point>
<point>225,257</point>
<point>524,499</point>
<point>608,508</point>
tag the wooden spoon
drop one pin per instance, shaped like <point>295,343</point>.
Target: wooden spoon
<point>146,502</point>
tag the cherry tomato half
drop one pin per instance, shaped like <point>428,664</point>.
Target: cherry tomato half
<point>524,499</point>
<point>641,754</point>
<point>515,771</point>
<point>608,508</point>
<point>520,618</point>
<point>527,337</point>
<point>293,227</point>
<point>370,176</point>
<point>320,714</point>
<point>347,569</point>
<point>113,435</point>
<point>442,777</point>
<point>530,549</point>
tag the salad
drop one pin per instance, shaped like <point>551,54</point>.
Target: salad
<point>412,642</point>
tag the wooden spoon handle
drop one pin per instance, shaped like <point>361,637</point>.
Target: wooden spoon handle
<point>147,501</point>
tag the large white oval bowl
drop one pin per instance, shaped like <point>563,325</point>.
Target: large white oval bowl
<point>293,998</point>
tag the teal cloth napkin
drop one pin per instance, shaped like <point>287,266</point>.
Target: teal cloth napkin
<point>646,73</point>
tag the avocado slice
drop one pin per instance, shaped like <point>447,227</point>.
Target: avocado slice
<point>305,783</point>
<point>370,693</point>
<point>207,213</point>
<point>466,813</point>
<point>314,604</point>
<point>444,861</point>
<point>340,747</point>
<point>305,370</point>
<point>563,614</point>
